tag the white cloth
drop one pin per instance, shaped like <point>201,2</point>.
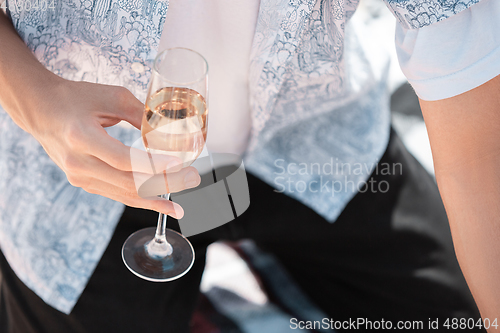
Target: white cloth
<point>222,31</point>
<point>453,56</point>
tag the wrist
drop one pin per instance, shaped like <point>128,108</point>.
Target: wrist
<point>33,104</point>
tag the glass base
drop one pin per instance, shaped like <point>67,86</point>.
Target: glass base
<point>157,269</point>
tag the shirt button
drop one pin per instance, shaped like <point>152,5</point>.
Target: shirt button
<point>137,67</point>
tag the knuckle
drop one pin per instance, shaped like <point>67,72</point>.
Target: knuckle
<point>71,165</point>
<point>129,102</point>
<point>119,162</point>
<point>75,180</point>
<point>121,93</point>
<point>74,137</point>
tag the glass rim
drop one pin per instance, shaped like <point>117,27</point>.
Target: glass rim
<point>157,72</point>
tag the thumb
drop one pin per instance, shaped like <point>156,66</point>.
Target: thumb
<point>134,112</point>
<point>126,106</point>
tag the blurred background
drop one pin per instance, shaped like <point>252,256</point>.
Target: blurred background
<point>255,295</point>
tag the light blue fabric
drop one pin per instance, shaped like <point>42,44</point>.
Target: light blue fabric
<point>433,58</point>
<point>54,234</point>
<point>313,96</point>
<point>415,14</point>
<point>315,101</point>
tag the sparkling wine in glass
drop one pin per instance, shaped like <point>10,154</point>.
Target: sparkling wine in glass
<point>174,123</point>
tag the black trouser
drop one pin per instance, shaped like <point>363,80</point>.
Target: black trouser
<point>389,255</point>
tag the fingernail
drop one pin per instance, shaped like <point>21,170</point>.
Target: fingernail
<point>178,211</point>
<point>191,179</point>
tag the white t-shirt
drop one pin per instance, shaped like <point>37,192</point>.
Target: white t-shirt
<point>453,56</point>
<point>222,31</point>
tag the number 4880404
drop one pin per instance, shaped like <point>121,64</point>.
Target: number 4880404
<point>463,323</point>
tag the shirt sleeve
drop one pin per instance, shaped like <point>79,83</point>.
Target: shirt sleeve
<point>453,55</point>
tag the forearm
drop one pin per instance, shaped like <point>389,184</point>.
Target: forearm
<point>465,139</point>
<point>23,79</point>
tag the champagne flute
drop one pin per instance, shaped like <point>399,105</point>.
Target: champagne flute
<point>175,124</point>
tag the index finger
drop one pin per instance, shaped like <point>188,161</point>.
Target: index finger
<point>119,156</point>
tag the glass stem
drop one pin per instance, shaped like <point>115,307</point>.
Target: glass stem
<point>159,246</point>
<point>161,228</point>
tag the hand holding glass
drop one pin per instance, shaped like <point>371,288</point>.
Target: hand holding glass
<point>175,124</point>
